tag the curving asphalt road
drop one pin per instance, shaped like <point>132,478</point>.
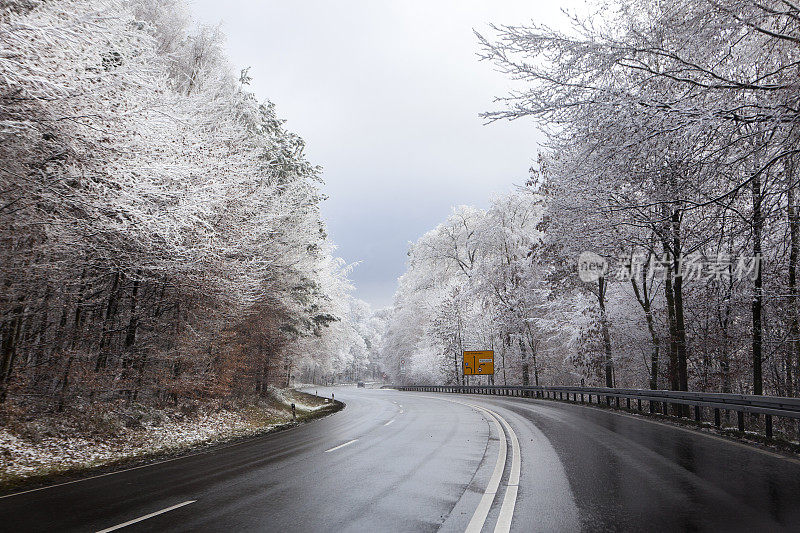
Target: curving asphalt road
<point>407,461</point>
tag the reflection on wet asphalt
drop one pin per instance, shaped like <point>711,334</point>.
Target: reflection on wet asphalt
<point>629,474</point>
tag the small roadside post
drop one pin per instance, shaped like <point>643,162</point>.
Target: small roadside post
<point>294,414</point>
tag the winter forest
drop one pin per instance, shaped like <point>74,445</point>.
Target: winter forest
<point>161,233</point>
<point>162,239</point>
<point>671,159</point>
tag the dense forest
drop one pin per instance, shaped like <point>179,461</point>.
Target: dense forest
<point>671,161</point>
<point>160,228</point>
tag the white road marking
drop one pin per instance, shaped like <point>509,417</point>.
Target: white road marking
<point>503,524</point>
<point>145,517</point>
<point>510,499</point>
<point>341,445</point>
<point>482,511</point>
<point>389,422</point>
<point>402,411</point>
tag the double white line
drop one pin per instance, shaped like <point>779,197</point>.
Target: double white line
<point>478,519</point>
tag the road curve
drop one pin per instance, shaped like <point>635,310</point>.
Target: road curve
<point>628,473</point>
<point>387,462</point>
<point>408,461</point>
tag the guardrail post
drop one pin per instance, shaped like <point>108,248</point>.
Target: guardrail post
<point>768,425</point>
<point>697,414</point>
<point>628,403</point>
<point>717,419</point>
<point>581,397</point>
<point>740,420</point>
<point>652,410</point>
<point>639,403</point>
<point>617,399</point>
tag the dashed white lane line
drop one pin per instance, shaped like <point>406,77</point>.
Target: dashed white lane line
<point>389,422</point>
<point>145,517</point>
<point>341,445</point>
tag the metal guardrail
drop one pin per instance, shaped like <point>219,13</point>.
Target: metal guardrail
<point>657,401</point>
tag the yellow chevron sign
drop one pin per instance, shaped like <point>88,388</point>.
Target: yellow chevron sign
<point>478,363</point>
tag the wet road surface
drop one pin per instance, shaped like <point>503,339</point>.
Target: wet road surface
<point>412,461</point>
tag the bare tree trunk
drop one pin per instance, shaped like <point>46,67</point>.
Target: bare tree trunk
<point>130,335</point>
<point>677,291</point>
<point>673,344</point>
<point>62,393</point>
<point>758,379</point>
<point>157,312</point>
<point>37,353</point>
<point>108,321</point>
<point>526,370</point>
<point>532,345</point>
<point>11,335</point>
<point>526,377</point>
<point>644,300</point>
<point>608,363</point>
<point>460,347</point>
<point>794,250</point>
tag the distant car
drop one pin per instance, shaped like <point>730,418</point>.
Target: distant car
<point>361,385</point>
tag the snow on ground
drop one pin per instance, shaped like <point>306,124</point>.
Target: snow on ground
<point>65,445</point>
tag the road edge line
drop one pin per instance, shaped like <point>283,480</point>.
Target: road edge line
<point>510,498</point>
<point>478,519</point>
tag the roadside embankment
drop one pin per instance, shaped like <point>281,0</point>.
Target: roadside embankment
<point>96,438</point>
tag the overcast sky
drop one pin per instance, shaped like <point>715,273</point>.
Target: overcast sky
<point>387,96</point>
